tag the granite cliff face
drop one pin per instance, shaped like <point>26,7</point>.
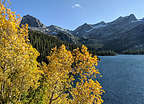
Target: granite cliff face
<point>32,21</point>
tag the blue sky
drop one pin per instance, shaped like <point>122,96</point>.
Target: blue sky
<point>71,13</point>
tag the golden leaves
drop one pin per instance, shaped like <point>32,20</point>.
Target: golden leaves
<point>18,64</point>
<point>58,78</point>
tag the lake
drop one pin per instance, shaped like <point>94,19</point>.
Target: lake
<point>123,79</point>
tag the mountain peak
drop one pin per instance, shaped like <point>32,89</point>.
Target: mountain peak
<point>102,22</point>
<point>31,21</point>
<point>132,17</point>
<point>126,19</point>
<point>86,24</point>
<point>53,26</point>
<point>129,16</point>
<point>28,16</point>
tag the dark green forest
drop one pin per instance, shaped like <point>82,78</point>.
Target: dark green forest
<point>44,43</point>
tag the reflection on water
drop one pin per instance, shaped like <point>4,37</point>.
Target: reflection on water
<point>123,79</point>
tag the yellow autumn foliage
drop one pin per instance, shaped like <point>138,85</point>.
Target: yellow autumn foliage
<point>61,72</point>
<point>88,90</point>
<point>18,64</point>
<point>56,73</point>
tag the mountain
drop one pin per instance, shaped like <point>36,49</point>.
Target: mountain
<point>124,33</point>
<point>60,33</point>
<point>119,35</point>
<point>103,29</point>
<point>82,29</point>
<point>32,21</point>
<point>86,28</point>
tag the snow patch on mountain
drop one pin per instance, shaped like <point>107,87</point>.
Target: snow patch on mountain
<point>97,26</point>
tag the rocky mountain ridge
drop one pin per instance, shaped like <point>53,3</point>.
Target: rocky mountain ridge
<point>62,34</point>
<point>124,33</point>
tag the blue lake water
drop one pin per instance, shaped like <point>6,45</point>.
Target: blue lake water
<point>123,79</point>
